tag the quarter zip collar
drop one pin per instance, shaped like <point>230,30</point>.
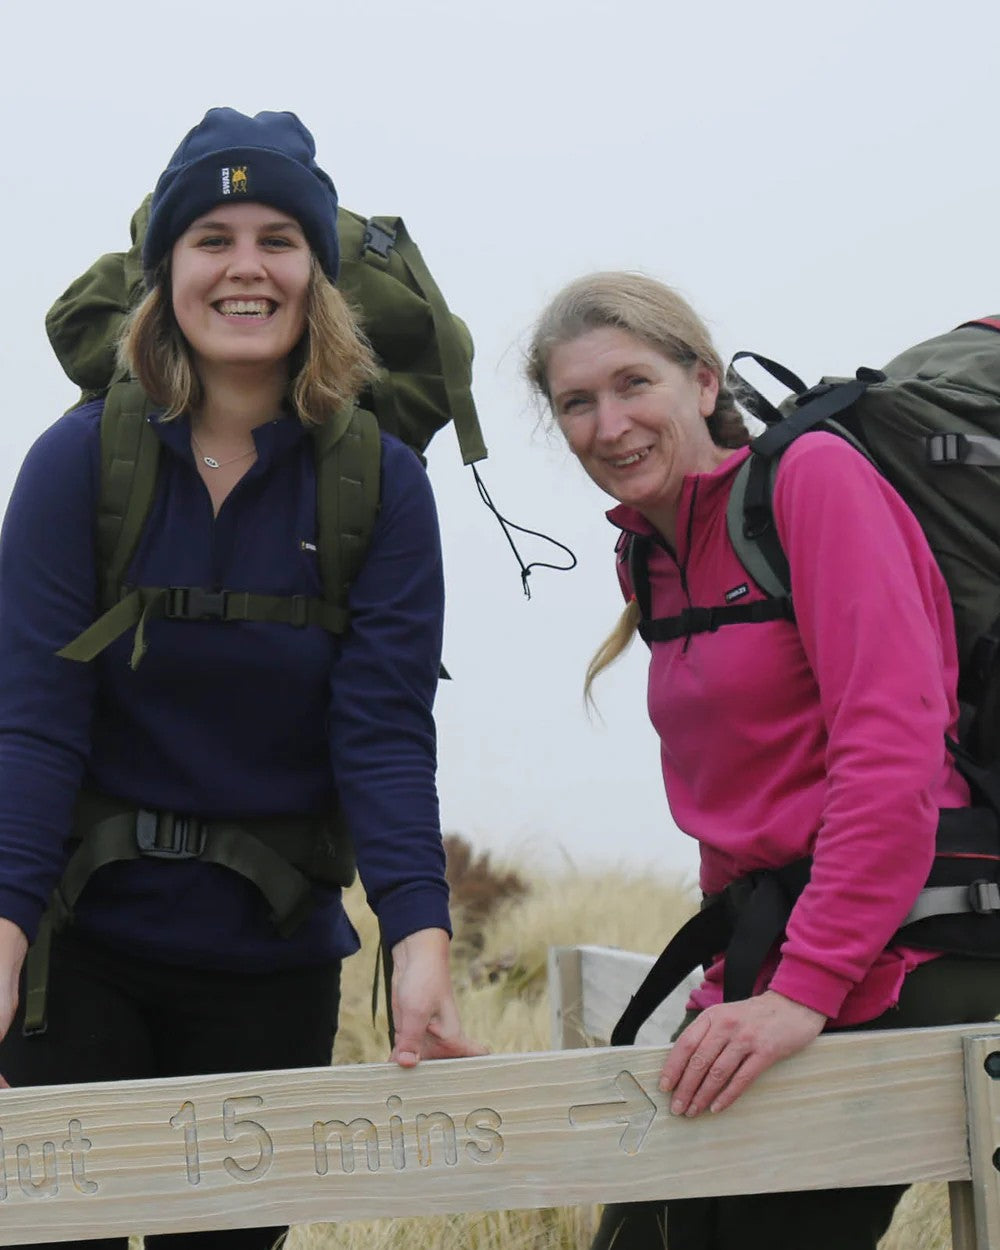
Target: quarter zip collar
<point>700,494</point>
<point>272,439</point>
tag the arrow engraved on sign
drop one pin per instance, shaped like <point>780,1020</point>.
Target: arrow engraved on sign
<point>637,1112</point>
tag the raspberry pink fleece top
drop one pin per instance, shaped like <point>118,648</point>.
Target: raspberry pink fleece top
<point>825,736</point>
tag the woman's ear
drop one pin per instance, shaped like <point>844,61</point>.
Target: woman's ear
<point>708,389</point>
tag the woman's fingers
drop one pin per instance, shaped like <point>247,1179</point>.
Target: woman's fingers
<point>707,1072</point>
<point>721,1053</point>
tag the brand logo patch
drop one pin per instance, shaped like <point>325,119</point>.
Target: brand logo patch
<point>737,592</point>
<point>235,179</point>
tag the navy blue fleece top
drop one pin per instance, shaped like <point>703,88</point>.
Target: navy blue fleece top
<point>220,719</point>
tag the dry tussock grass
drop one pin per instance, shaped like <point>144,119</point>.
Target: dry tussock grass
<point>505,920</point>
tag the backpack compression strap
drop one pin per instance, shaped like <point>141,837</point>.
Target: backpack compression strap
<point>382,236</point>
<point>975,449</point>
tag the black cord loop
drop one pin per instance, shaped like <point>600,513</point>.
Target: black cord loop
<point>507,525</point>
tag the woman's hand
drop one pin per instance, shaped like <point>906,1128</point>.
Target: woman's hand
<point>722,1052</point>
<point>423,1002</point>
<point>13,948</point>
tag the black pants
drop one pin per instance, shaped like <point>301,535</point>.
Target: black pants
<point>945,991</point>
<point>113,1017</point>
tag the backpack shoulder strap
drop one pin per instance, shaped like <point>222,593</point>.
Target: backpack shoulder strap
<point>348,490</point>
<point>752,532</point>
<point>636,557</point>
<point>347,486</point>
<point>750,514</point>
<point>130,454</point>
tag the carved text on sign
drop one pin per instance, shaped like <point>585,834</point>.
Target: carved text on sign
<point>36,1170</point>
<point>431,1136</point>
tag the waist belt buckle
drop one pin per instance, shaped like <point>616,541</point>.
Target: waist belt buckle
<point>166,835</point>
<point>984,897</point>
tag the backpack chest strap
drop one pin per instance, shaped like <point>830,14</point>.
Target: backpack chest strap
<point>708,620</point>
<point>192,603</point>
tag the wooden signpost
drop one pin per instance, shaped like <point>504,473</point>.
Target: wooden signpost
<point>551,1129</point>
<point>502,1132</point>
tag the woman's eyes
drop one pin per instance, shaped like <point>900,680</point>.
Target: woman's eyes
<point>630,382</point>
<point>575,402</point>
<point>271,243</point>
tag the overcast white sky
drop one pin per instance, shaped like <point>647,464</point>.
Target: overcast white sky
<point>820,180</point>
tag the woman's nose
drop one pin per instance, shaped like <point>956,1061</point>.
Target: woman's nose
<point>612,418</point>
<point>245,260</point>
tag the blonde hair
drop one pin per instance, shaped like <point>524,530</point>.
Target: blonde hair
<point>329,367</point>
<point>660,317</point>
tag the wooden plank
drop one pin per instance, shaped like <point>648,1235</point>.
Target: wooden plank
<point>982,1091</point>
<point>963,1216</point>
<point>502,1132</point>
<point>609,978</point>
<point>566,998</point>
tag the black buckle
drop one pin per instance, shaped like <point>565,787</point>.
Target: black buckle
<point>191,603</point>
<point>947,449</point>
<point>378,240</point>
<point>701,620</point>
<point>757,521</point>
<point>739,892</point>
<point>984,897</point>
<point>165,835</point>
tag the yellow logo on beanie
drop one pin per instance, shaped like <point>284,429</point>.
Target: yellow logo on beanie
<point>235,179</point>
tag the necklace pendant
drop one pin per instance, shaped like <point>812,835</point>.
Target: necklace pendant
<point>211,462</point>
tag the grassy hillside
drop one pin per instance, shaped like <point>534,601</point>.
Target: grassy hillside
<point>505,923</point>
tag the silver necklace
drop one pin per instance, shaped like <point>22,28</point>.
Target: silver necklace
<point>219,464</point>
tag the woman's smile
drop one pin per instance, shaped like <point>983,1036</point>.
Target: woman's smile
<point>256,309</point>
<point>239,281</point>
<point>635,419</point>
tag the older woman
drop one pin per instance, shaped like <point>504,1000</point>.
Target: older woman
<point>824,736</point>
<point>173,963</point>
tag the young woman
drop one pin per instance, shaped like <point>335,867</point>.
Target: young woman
<point>173,963</point>
<point>822,737</point>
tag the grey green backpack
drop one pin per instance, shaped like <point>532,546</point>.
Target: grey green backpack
<point>930,422</point>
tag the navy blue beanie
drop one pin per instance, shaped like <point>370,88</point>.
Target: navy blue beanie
<point>229,158</point>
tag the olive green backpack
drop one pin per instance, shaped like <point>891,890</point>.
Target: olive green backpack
<point>425,353</point>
